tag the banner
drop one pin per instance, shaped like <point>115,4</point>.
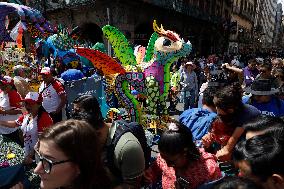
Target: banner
<point>88,86</point>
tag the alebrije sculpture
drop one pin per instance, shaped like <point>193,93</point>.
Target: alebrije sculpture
<point>150,77</point>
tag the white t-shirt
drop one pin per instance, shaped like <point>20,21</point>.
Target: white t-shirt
<point>51,95</point>
<point>30,133</point>
<point>5,104</point>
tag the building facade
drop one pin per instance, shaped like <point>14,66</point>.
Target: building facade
<point>204,22</point>
<point>242,19</point>
<point>265,22</point>
<point>278,25</point>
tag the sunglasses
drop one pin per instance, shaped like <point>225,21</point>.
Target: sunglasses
<point>46,163</point>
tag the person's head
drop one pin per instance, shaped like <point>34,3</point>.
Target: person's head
<point>87,108</point>
<point>208,96</point>
<point>261,159</point>
<point>279,74</point>
<point>262,124</point>
<point>67,155</point>
<point>261,90</point>
<point>7,84</point>
<point>177,147</point>
<point>46,74</point>
<point>265,70</point>
<point>32,102</point>
<point>189,66</point>
<point>252,63</point>
<point>277,63</point>
<point>19,70</point>
<point>228,102</point>
<point>237,183</point>
<point>28,72</point>
<point>174,67</point>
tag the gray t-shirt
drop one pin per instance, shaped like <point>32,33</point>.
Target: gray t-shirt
<point>128,155</point>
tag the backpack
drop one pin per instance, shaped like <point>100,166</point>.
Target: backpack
<point>137,130</point>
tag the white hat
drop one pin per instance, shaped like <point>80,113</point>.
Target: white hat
<point>7,80</point>
<point>33,97</point>
<point>191,64</point>
<point>45,70</point>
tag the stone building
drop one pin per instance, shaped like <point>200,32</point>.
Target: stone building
<point>242,19</point>
<point>204,22</point>
<point>278,25</point>
<point>265,21</point>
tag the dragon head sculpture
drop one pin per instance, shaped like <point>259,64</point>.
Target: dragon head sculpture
<point>169,44</point>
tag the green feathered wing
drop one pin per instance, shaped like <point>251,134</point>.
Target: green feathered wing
<point>122,49</point>
<point>150,47</point>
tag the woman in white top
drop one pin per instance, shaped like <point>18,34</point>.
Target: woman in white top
<point>189,85</point>
<point>10,101</point>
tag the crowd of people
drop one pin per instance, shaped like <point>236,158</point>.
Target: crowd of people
<point>230,134</point>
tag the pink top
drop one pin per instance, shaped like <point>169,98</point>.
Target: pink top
<point>202,171</point>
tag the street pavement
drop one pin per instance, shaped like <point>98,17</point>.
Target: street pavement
<point>179,107</point>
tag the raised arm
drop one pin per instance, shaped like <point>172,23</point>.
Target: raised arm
<point>10,124</point>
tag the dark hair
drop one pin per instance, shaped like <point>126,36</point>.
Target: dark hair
<point>264,123</point>
<point>89,110</point>
<point>78,141</point>
<point>174,142</point>
<point>238,151</point>
<point>252,60</point>
<point>237,183</point>
<point>266,65</point>
<point>265,155</point>
<point>208,96</point>
<point>229,96</point>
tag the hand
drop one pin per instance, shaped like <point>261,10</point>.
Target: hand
<point>2,111</point>
<point>225,65</point>
<point>206,140</point>
<point>224,154</point>
<point>18,186</point>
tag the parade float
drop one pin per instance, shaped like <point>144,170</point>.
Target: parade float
<point>134,74</point>
<point>148,73</point>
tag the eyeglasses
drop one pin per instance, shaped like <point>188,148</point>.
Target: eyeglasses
<point>47,163</point>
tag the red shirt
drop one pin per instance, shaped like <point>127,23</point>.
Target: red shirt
<point>220,132</point>
<point>202,171</point>
<point>14,99</point>
<point>44,121</point>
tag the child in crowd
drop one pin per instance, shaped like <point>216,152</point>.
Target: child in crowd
<point>180,163</point>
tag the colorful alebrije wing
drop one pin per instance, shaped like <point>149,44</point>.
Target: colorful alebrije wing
<point>101,61</point>
<point>120,44</point>
<point>150,47</point>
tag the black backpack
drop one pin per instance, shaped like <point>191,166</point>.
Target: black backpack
<point>137,130</point>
